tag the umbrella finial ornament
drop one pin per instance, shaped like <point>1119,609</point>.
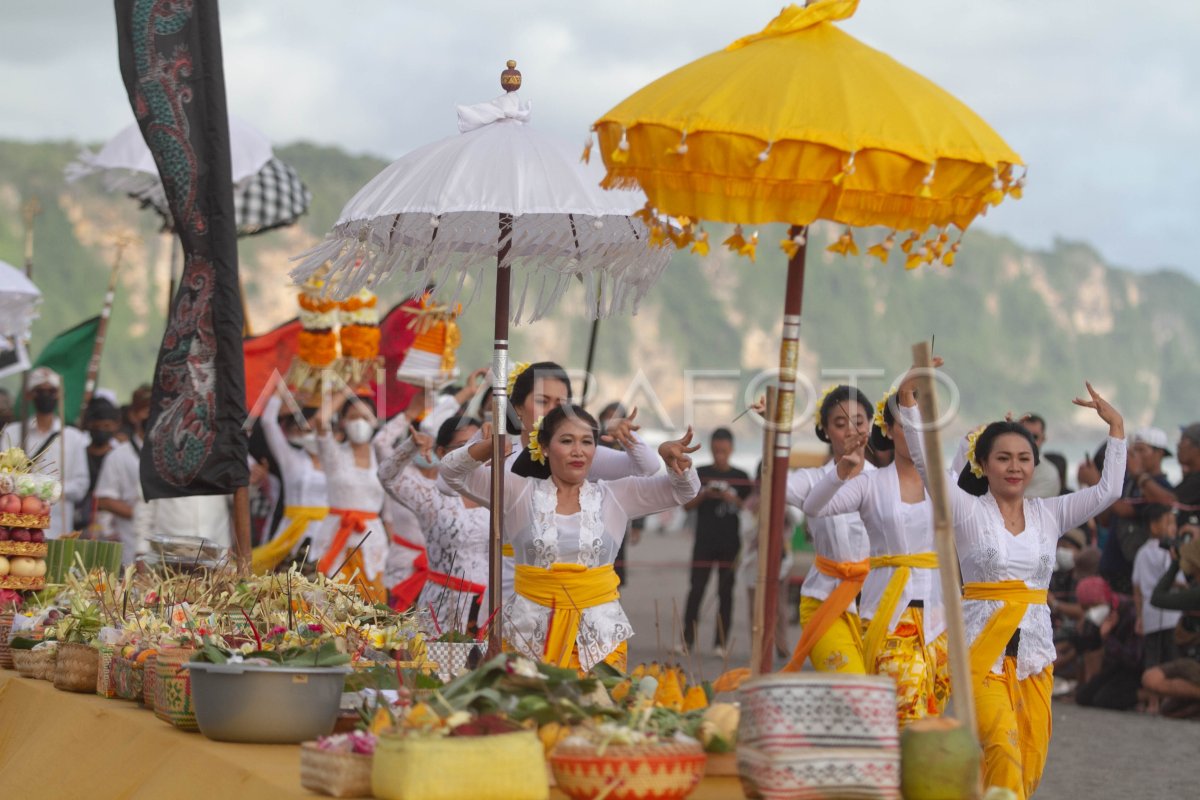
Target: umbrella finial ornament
<point>510,79</point>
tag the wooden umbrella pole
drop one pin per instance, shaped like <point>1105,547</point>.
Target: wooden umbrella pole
<point>173,266</point>
<point>29,212</point>
<point>93,370</point>
<point>764,533</point>
<point>241,528</point>
<point>943,527</point>
<point>782,423</point>
<point>591,359</point>
<point>499,437</point>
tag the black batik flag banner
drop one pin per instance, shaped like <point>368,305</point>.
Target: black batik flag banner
<point>170,53</point>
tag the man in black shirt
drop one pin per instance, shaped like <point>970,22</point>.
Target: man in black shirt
<point>723,489</point>
<point>1187,493</point>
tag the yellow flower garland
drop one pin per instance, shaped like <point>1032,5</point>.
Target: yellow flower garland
<point>972,438</point>
<point>535,444</point>
<point>821,402</point>
<point>879,420</point>
<point>515,373</point>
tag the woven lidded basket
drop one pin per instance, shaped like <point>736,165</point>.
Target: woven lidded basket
<point>126,678</point>
<point>6,660</point>
<point>76,667</point>
<point>173,688</point>
<point>334,773</point>
<point>44,661</point>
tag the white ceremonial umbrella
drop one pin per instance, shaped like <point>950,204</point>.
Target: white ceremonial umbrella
<point>19,300</point>
<point>498,196</point>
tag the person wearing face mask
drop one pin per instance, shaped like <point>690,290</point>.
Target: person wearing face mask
<point>118,487</point>
<point>565,530</point>
<point>1111,622</point>
<point>357,541</point>
<point>451,574</point>
<point>102,420</point>
<point>305,490</point>
<point>59,450</point>
<point>1007,546</point>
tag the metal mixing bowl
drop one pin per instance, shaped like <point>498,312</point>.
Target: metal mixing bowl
<point>265,705</point>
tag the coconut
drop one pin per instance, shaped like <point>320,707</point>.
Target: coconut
<point>939,760</point>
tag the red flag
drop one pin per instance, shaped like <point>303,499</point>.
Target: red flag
<point>395,338</point>
<point>265,355</point>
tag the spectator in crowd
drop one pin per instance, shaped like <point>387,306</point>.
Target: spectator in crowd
<point>1146,483</point>
<point>102,419</point>
<point>1046,481</point>
<point>1067,613</point>
<point>1060,463</point>
<point>1156,626</point>
<point>119,488</point>
<point>1187,493</point>
<point>1179,680</point>
<point>1110,627</point>
<point>724,488</point>
<point>57,449</point>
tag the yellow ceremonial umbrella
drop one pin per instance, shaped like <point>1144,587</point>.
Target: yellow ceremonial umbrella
<point>797,123</point>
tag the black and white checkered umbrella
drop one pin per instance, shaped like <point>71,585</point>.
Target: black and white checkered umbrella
<point>267,193</point>
<point>271,198</point>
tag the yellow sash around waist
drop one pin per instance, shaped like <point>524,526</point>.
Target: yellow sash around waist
<point>992,640</point>
<point>850,575</point>
<point>882,621</point>
<point>566,589</point>
<point>507,551</point>
<point>265,558</point>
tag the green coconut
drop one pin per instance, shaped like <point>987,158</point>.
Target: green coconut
<point>939,760</point>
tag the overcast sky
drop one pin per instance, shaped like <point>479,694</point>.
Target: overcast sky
<point>1101,98</point>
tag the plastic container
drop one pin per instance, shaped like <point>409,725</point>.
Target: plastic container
<point>265,704</point>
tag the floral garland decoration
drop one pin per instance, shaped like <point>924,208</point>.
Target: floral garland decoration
<point>879,420</point>
<point>317,342</point>
<point>515,373</point>
<point>972,439</point>
<point>821,402</point>
<point>360,338</point>
<point>535,444</point>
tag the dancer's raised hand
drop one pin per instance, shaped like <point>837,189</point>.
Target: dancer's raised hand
<point>1104,409</point>
<point>677,454</point>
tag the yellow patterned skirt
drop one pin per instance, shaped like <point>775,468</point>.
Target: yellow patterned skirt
<point>1014,725</point>
<point>840,649</point>
<point>921,670</point>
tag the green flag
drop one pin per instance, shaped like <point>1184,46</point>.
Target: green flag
<point>68,354</point>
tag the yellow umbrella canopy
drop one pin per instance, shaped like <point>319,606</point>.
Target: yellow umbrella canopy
<point>793,124</point>
<point>801,122</point>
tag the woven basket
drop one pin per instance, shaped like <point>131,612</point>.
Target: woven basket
<point>662,771</point>
<point>76,667</point>
<point>104,685</point>
<point>508,766</point>
<point>126,679</point>
<point>335,774</point>
<point>149,679</point>
<point>173,688</point>
<point>44,661</point>
<point>24,662</point>
<point>6,659</point>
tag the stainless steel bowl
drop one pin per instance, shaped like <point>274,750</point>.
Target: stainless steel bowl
<point>265,705</point>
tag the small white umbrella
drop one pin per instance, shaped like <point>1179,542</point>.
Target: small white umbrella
<point>498,196</point>
<point>19,300</point>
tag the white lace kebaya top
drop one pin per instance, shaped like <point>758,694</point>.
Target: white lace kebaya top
<point>893,528</point>
<point>988,552</point>
<point>303,483</point>
<point>839,538</point>
<point>456,537</point>
<point>591,537</point>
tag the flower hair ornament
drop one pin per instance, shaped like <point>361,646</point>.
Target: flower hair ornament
<point>515,373</point>
<point>821,402</point>
<point>972,462</point>
<point>535,443</point>
<point>879,420</point>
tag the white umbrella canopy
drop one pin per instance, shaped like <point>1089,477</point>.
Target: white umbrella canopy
<point>432,218</point>
<point>126,161</point>
<point>19,300</point>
